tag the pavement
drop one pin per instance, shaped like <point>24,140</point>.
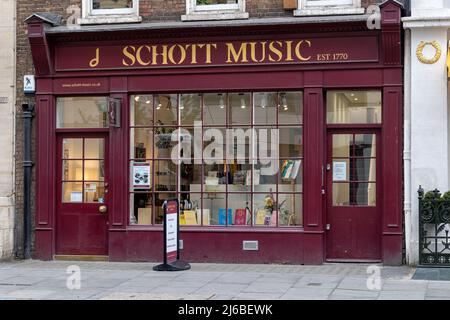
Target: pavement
<point>73,280</point>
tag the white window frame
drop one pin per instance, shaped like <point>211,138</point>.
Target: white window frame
<point>98,16</point>
<point>328,7</point>
<point>226,11</point>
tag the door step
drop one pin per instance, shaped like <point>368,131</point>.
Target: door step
<point>68,257</point>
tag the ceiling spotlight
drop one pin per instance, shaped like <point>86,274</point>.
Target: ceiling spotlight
<point>136,98</point>
<point>285,105</point>
<point>263,102</point>
<point>221,103</point>
<point>243,106</point>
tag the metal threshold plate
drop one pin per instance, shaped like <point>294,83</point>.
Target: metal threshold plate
<point>66,257</point>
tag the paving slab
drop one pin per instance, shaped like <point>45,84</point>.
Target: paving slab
<point>401,295</point>
<point>340,294</point>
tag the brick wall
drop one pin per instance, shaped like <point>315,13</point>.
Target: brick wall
<point>150,10</point>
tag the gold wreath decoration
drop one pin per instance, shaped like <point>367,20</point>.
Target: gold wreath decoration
<point>436,57</point>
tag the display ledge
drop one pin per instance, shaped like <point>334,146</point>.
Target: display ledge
<point>298,229</point>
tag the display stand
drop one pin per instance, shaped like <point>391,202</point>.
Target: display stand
<point>171,246</point>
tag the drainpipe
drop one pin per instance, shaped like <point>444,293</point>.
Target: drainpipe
<point>407,150</point>
<point>28,113</point>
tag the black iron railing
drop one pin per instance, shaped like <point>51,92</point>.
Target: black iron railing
<point>434,228</point>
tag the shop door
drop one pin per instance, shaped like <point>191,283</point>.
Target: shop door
<point>353,201</point>
<point>82,203</point>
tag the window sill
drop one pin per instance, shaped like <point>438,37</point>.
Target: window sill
<point>110,19</point>
<point>327,11</point>
<point>204,16</point>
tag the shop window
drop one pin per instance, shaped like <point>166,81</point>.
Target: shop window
<point>110,11</point>
<point>354,107</point>
<point>328,7</point>
<point>241,164</point>
<point>215,10</point>
<point>82,112</point>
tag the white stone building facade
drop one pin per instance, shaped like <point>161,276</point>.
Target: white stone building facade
<point>426,116</point>
<point>7,98</point>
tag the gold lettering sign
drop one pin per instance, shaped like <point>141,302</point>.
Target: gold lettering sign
<point>224,53</point>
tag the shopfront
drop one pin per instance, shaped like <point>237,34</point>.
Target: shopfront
<point>281,141</point>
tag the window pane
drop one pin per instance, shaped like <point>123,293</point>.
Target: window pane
<point>190,204</point>
<point>290,210</point>
<point>190,109</point>
<point>290,176</point>
<point>158,209</point>
<point>365,145</point>
<point>214,205</point>
<point>163,142</point>
<point>73,170</point>
<point>141,143</point>
<point>265,108</point>
<point>112,4</point>
<point>291,142</point>
<point>141,111</point>
<point>240,108</point>
<point>342,145</point>
<point>166,110</point>
<point>263,206</point>
<point>141,206</point>
<point>94,170</point>
<point>82,112</point>
<point>265,178</point>
<point>190,177</point>
<point>240,208</point>
<point>354,107</point>
<point>215,177</point>
<point>72,148</point>
<point>94,148</point>
<point>214,110</point>
<point>94,192</point>
<point>291,108</point>
<point>165,175</point>
<point>363,194</point>
<point>240,177</point>
<point>72,192</point>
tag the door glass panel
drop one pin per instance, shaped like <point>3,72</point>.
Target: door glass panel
<point>93,170</point>
<point>73,170</point>
<point>94,192</point>
<point>72,148</point>
<point>363,194</point>
<point>341,194</point>
<point>93,149</point>
<point>365,145</point>
<point>72,192</point>
<point>353,107</point>
<point>341,145</point>
<point>354,169</point>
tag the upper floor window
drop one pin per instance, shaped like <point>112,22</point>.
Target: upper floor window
<point>328,7</point>
<point>215,10</point>
<point>110,11</point>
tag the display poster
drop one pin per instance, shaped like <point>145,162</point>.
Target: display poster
<point>339,171</point>
<point>141,176</point>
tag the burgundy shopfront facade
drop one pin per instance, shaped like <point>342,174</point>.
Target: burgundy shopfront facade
<point>322,71</point>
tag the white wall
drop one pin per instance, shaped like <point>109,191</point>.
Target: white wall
<point>7,81</point>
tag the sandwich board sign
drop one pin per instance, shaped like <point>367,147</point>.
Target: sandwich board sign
<point>171,245</point>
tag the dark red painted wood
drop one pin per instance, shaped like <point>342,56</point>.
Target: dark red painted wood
<point>355,232</point>
<point>80,228</point>
<point>45,177</point>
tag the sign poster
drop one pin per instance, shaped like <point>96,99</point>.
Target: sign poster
<point>339,171</point>
<point>141,175</point>
<point>29,84</point>
<point>171,231</point>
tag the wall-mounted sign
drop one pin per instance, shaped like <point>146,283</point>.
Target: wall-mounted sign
<point>339,171</point>
<point>114,106</point>
<point>4,100</point>
<point>29,84</point>
<point>267,51</point>
<point>141,175</point>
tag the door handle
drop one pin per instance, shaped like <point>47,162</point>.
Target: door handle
<point>103,209</point>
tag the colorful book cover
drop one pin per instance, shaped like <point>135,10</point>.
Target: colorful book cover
<point>206,216</point>
<point>190,218</point>
<point>240,217</point>
<point>295,169</point>
<point>260,217</point>
<point>182,219</point>
<point>223,217</point>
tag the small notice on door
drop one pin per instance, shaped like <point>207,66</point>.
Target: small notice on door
<point>339,171</point>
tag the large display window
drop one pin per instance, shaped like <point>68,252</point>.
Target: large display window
<point>232,159</point>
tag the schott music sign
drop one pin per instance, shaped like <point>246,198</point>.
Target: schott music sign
<point>261,52</point>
